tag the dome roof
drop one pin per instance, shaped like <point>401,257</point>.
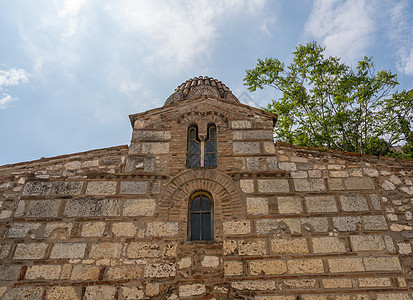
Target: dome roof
<point>200,86</point>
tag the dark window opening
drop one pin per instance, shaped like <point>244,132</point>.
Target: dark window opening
<point>210,147</point>
<point>200,217</point>
<point>194,149</point>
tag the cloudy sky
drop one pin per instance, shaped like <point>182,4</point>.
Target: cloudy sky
<point>71,71</point>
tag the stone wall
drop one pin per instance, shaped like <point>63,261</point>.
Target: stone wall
<point>289,222</point>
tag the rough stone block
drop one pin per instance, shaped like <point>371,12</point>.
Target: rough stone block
<point>315,224</point>
<point>124,229</point>
<point>93,229</point>
<point>254,285</point>
<point>45,272</point>
<point>237,227</point>
<point>20,230</point>
<point>26,293</point>
<point>367,243</point>
<point>124,272</point>
<point>37,188</point>
<point>132,292</point>
<point>393,296</point>
<point>337,283</point>
<point>233,268</point>
<point>62,293</point>
<point>139,207</point>
<point>101,188</point>
<point>305,266</point>
<point>68,250</point>
<point>133,187</point>
<point>359,183</point>
<point>191,290</point>
<point>287,166</point>
<point>289,246</point>
<point>267,267</point>
<point>151,135</point>
<point>246,147</point>
<point>43,208</point>
<point>323,204</point>
<point>92,207</point>
<point>144,249</point>
<point>155,148</point>
<point>9,272</point>
<point>300,283</point>
<point>99,292</point>
<point>345,265</point>
<point>289,205</point>
<point>161,229</point>
<point>328,244</point>
<point>309,185</point>
<point>347,223</point>
<point>30,251</point>
<point>335,184</point>
<point>386,263</point>
<point>377,222</point>
<point>56,230</point>
<point>105,250</point>
<point>353,203</point>
<point>252,247</point>
<point>240,124</point>
<point>160,270</point>
<point>374,282</point>
<point>247,185</point>
<point>268,147</point>
<point>338,173</point>
<point>85,272</point>
<point>273,186</point>
<point>257,206</point>
<point>67,188</point>
<point>210,261</point>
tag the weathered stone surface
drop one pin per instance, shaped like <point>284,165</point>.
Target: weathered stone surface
<point>257,206</point>
<point>360,183</point>
<point>45,272</point>
<point>143,249</point>
<point>247,185</point>
<point>190,290</point>
<point>289,246</point>
<point>67,188</point>
<point>289,205</point>
<point>345,265</point>
<point>273,186</point>
<point>68,250</point>
<point>99,292</point>
<point>377,222</point>
<point>91,207</point>
<point>37,188</point>
<point>20,230</point>
<point>85,272</point>
<point>151,135</point>
<point>159,270</point>
<point>30,251</point>
<point>287,166</point>
<point>353,203</point>
<point>43,208</point>
<point>321,204</point>
<point>240,124</point>
<point>267,267</point>
<point>124,272</point>
<point>328,244</point>
<point>337,283</point>
<point>9,272</point>
<point>385,263</point>
<point>252,247</point>
<point>237,227</point>
<point>101,188</point>
<point>210,262</point>
<point>347,223</point>
<point>233,268</point>
<point>367,243</point>
<point>56,230</point>
<point>315,224</point>
<point>139,207</point>
<point>132,293</point>
<point>374,282</point>
<point>254,285</point>
<point>300,283</point>
<point>124,229</point>
<point>133,187</point>
<point>155,148</point>
<point>246,147</point>
<point>335,184</point>
<point>93,229</point>
<point>309,185</point>
<point>26,293</point>
<point>160,229</point>
<point>105,250</point>
<point>305,266</point>
<point>62,293</point>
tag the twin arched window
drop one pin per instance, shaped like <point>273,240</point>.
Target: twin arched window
<point>202,153</point>
<point>200,215</point>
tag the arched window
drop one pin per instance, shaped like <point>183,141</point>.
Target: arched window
<point>211,147</point>
<point>200,216</point>
<point>194,149</point>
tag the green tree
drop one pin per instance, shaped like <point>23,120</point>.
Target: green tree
<point>327,104</point>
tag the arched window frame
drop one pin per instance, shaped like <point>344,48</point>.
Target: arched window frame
<point>193,157</point>
<point>210,156</point>
<point>203,232</point>
<point>202,153</point>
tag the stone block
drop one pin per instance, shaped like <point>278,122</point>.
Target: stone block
<point>289,205</point>
<point>305,266</point>
<point>314,173</point>
<point>93,229</point>
<point>299,174</point>
<point>162,229</point>
<point>338,174</point>
<point>9,272</point>
<point>359,183</point>
<point>230,247</point>
<point>375,202</point>
<point>345,265</point>
<point>300,283</point>
<point>132,292</point>
<point>309,185</point>
<point>337,283</point>
<point>37,188</point>
<point>105,250</point>
<point>372,222</point>
<point>56,230</point>
<point>393,296</point>
<point>367,243</point>
<point>62,293</point>
<point>335,184</point>
<point>347,223</point>
<point>240,124</point>
<point>253,163</point>
<point>316,224</point>
<point>101,187</point>
<point>67,188</point>
<point>20,230</point>
<point>374,282</point>
<point>257,206</point>
<point>233,268</point>
<point>151,135</point>
<point>144,249</point>
<point>237,227</point>
<point>191,290</point>
<point>252,247</point>
<point>124,272</point>
<point>152,289</point>
<point>155,148</point>
<point>30,251</point>
<point>92,207</point>
<point>287,166</point>
<point>139,207</point>
<point>328,244</point>
<point>100,292</point>
<point>273,186</point>
<point>353,203</point>
<point>267,267</point>
<point>133,187</point>
<point>265,226</point>
<point>246,147</point>
<point>26,293</point>
<point>268,147</point>
<point>385,263</point>
<point>210,261</point>
<point>124,229</point>
<point>322,204</point>
<point>184,263</point>
<point>43,272</point>
<point>68,250</point>
<point>254,285</point>
<point>43,208</point>
<point>247,185</point>
<point>159,270</point>
<point>85,272</point>
<point>283,246</point>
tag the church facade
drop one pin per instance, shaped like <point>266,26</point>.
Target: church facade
<point>203,205</point>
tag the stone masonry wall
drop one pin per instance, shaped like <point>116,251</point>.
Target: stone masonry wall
<point>289,222</point>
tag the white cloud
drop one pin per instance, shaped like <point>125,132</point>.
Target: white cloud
<point>6,100</point>
<point>8,78</point>
<point>344,27</point>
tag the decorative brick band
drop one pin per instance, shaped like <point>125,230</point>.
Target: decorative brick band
<point>227,196</point>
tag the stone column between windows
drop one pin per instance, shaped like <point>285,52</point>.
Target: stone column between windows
<point>202,153</point>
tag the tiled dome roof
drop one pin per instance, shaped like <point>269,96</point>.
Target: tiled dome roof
<point>199,86</point>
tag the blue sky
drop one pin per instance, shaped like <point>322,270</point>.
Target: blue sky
<point>72,71</point>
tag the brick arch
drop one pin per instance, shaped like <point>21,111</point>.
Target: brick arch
<point>227,197</point>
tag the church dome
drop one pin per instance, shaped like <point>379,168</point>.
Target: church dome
<point>201,86</point>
